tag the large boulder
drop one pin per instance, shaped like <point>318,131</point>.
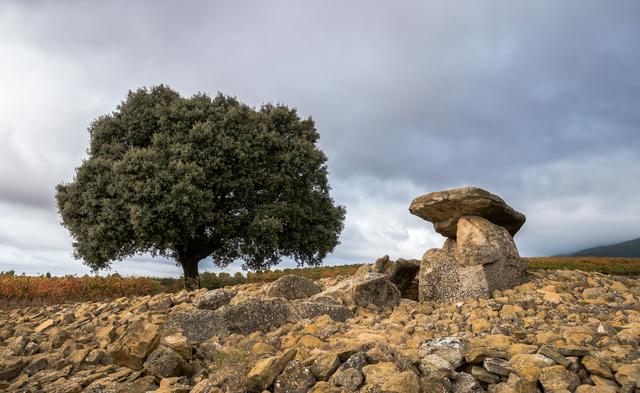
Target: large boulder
<point>264,373</point>
<point>164,362</point>
<point>133,347</point>
<point>401,272</point>
<point>445,208</point>
<point>255,314</point>
<point>247,316</point>
<point>442,279</point>
<point>482,243</point>
<point>484,258</point>
<point>315,308</point>
<point>374,288</point>
<point>195,324</point>
<point>479,242</point>
<point>365,287</point>
<point>293,287</point>
<point>215,298</point>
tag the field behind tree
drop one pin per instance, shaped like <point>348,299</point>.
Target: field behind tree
<point>22,290</point>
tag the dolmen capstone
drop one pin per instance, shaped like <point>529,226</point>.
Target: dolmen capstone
<point>479,254</point>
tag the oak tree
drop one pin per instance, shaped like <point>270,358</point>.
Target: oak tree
<point>197,177</point>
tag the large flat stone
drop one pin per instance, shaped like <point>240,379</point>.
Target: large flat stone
<point>445,208</point>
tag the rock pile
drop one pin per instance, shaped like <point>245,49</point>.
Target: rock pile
<point>563,331</point>
<point>479,255</point>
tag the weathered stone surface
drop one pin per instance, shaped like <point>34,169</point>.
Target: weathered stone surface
<point>313,309</point>
<point>138,341</point>
<point>442,280</point>
<point>348,378</point>
<point>179,343</point>
<point>196,325</point>
<point>10,368</point>
<point>265,371</point>
<point>466,383</point>
<point>514,384</point>
<point>445,208</point>
<point>293,287</point>
<point>387,377</point>
<point>164,362</point>
<point>526,342</point>
<point>256,314</point>
<point>452,349</point>
<point>485,259</point>
<point>558,378</point>
<point>215,298</point>
<point>295,378</point>
<point>401,272</point>
<point>436,366</point>
<point>324,365</point>
<point>374,288</point>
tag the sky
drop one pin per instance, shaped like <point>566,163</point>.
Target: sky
<point>535,101</point>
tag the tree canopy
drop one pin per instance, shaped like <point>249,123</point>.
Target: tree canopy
<point>189,178</point>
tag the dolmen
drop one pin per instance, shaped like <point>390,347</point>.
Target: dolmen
<point>479,254</point>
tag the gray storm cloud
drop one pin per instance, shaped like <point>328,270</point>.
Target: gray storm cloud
<point>535,101</point>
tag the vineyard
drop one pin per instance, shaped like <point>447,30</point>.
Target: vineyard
<point>22,290</point>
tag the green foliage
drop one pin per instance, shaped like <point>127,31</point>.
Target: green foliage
<point>189,178</point>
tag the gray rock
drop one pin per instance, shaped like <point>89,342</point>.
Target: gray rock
<point>247,316</point>
<point>466,383</point>
<point>452,349</point>
<point>293,287</point>
<point>350,378</point>
<point>164,362</point>
<point>497,366</point>
<point>196,325</point>
<point>254,314</point>
<point>440,279</point>
<point>401,272</point>
<point>480,242</point>
<point>444,209</point>
<point>374,288</point>
<point>484,259</point>
<point>213,299</point>
<point>324,365</point>
<point>482,375</point>
<point>294,379</point>
<point>313,309</point>
<point>435,366</point>
<point>435,385</point>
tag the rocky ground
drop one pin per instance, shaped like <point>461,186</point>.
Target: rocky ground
<point>562,331</point>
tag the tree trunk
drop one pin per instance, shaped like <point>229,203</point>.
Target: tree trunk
<point>191,276</point>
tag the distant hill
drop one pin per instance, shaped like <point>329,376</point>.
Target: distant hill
<point>628,249</point>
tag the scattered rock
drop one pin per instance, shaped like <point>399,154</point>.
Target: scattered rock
<point>164,362</point>
<point>294,379</point>
<point>514,341</point>
<point>137,342</point>
<point>213,299</point>
<point>293,287</point>
<point>265,372</point>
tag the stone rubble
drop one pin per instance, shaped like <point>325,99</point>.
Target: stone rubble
<point>562,331</point>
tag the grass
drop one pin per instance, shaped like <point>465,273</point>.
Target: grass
<point>21,290</point>
<point>607,265</point>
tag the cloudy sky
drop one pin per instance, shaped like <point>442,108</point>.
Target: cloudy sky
<point>536,101</point>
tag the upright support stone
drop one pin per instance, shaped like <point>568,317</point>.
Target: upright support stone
<point>479,255</point>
